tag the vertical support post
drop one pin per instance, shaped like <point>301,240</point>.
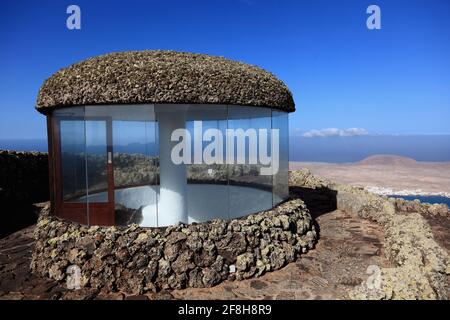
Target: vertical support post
<point>172,207</point>
<point>51,155</point>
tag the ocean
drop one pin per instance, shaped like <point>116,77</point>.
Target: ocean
<point>24,144</point>
<point>427,199</point>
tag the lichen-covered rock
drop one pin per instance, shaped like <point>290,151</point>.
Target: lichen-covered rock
<point>245,261</point>
<point>135,259</point>
<point>210,277</point>
<point>231,246</point>
<point>421,263</point>
<point>436,209</point>
<point>157,76</point>
<point>306,179</point>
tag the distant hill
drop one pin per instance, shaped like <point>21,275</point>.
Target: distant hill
<point>388,160</point>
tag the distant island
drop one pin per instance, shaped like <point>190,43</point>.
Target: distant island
<point>387,175</point>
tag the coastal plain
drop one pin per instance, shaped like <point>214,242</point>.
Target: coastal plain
<point>385,173</point>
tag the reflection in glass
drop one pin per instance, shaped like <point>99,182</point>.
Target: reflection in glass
<point>73,164</point>
<point>280,121</point>
<point>249,190</point>
<point>134,161</point>
<point>96,160</point>
<point>135,172</point>
<point>207,190</point>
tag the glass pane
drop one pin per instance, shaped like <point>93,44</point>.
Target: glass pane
<point>280,122</point>
<point>96,160</point>
<point>248,149</point>
<point>70,132</point>
<point>207,190</point>
<point>134,161</point>
<point>135,172</point>
<point>135,153</point>
<point>73,162</point>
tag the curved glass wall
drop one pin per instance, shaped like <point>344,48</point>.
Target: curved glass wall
<point>157,165</point>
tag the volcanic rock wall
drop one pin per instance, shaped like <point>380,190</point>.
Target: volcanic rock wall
<point>23,181</point>
<point>135,259</point>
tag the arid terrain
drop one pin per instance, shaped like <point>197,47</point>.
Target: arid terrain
<point>386,171</point>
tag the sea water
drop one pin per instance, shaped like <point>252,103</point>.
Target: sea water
<point>425,199</point>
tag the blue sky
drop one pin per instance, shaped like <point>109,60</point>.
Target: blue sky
<point>389,81</point>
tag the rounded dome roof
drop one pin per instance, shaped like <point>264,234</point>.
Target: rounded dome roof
<point>163,77</point>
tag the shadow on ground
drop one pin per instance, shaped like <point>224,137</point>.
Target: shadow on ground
<point>318,201</point>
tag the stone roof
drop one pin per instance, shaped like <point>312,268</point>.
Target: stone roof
<point>163,77</point>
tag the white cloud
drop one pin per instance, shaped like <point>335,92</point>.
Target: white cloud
<point>335,132</point>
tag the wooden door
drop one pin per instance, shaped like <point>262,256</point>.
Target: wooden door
<point>84,173</point>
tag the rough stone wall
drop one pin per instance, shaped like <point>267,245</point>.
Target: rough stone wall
<point>422,266</point>
<point>437,209</point>
<point>136,259</point>
<point>23,176</point>
<point>23,181</point>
